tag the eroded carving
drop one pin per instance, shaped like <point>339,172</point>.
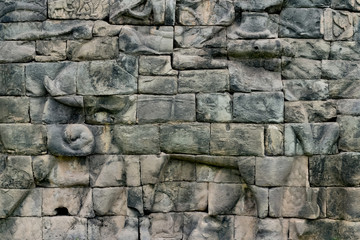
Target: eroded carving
<point>80,9</point>
<point>339,25</point>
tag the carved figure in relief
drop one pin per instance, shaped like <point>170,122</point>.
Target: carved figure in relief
<point>75,8</point>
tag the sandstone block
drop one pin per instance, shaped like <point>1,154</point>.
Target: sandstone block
<point>213,107</point>
<point>151,168</point>
<point>76,228</point>
<point>261,196</point>
<point>82,9</point>
<point>343,50</point>
<point>306,90</point>
<point>344,89</point>
<point>17,51</point>
<point>175,170</point>
<point>261,48</point>
<point>14,110</point>
<point>345,5</point>
<point>349,107</point>
<point>158,84</point>
<point>10,200</point>
<point>259,5</point>
<point>118,227</point>
<point>31,228</point>
<point>162,226</point>
<point>309,48</point>
<point>110,201</point>
<point>200,36</point>
<point>274,140</point>
<point>16,173</point>
<point>301,68</point>
<point>332,19</point>
<point>12,79</point>
<point>310,111</point>
<point>308,3</point>
<point>155,65</point>
<point>23,10</point>
<point>50,51</point>
<point>342,203</point>
<point>340,69</point>
<point>349,135</point>
<point>31,204</point>
<point>103,29</point>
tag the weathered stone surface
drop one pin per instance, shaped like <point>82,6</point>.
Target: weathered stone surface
<point>110,201</point>
<point>80,9</point>
<point>340,69</point>
<point>262,48</point>
<point>109,77</point>
<point>139,139</point>
<point>300,23</point>
<point>158,84</point>
<point>344,89</point>
<point>311,138</point>
<point>50,51</point>
<point>225,139</point>
<point>17,51</point>
<point>338,25</point>
<point>301,68</point>
<point>10,199</point>
<point>349,107</point>
<point>162,226</point>
<point>209,12</point>
<point>346,5</point>
<point>203,81</point>
<point>65,227</point>
<point>16,228</point>
<point>192,138</point>
<point>152,108</point>
<point>51,171</point>
<point>254,25</point>
<point>349,133</point>
<point>342,203</point>
<point>193,58</point>
<point>146,39</point>
<point>261,196</point>
<point>213,107</point>
<point>305,90</point>
<point>255,75</point>
<point>259,5</point>
<point>110,109</point>
<point>12,79</point>
<point>14,110</point>
<point>200,37</point>
<point>258,107</point>
<point>31,204</point>
<point>282,171</point>
<point>16,172</point>
<point>308,48</point>
<point>308,3</point>
<point>22,139</point>
<point>103,29</point>
<point>24,10</point>
<point>274,140</point>
<point>300,202</point>
<point>310,111</point>
<point>342,50</point>
<point>156,65</point>
<point>95,49</point>
<point>113,228</point>
<point>151,166</point>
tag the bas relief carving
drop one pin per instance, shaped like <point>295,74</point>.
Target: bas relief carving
<point>82,9</point>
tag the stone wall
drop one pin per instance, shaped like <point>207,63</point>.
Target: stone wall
<point>179,119</point>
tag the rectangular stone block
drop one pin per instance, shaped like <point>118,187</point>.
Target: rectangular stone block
<point>113,227</point>
<point>82,9</point>
<point>344,89</point>
<point>158,85</point>
<point>156,65</point>
<point>345,5</point>
<point>340,70</point>
<point>258,107</point>
<point>53,228</point>
<point>16,51</point>
<point>342,203</point>
<point>31,228</point>
<point>16,173</point>
<point>153,109</point>
<point>14,110</point>
<point>261,48</point>
<point>332,21</point>
<point>308,3</point>
<point>200,36</point>
<point>349,133</point>
<point>30,205</point>
<point>274,140</point>
<point>151,168</point>
<point>259,5</point>
<point>22,139</point>
<point>10,199</point>
<point>104,29</point>
<point>310,111</point>
<point>191,138</point>
<point>12,80</point>
<point>344,50</point>
<point>305,90</point>
<point>23,10</point>
<point>301,68</point>
<point>50,51</point>
<point>349,107</point>
<point>203,81</point>
<point>237,139</point>
<point>213,107</point>
<point>162,226</point>
<point>309,48</point>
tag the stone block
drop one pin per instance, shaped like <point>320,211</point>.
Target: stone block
<point>340,69</point>
<point>225,139</point>
<point>50,51</point>
<point>82,9</point>
<point>10,200</point>
<point>208,173</point>
<point>152,108</point>
<point>200,36</point>
<point>301,23</point>
<point>301,68</point>
<point>22,139</point>
<point>31,228</point>
<point>344,50</point>
<point>258,107</point>
<point>261,48</point>
<point>259,5</point>
<point>110,201</point>
<point>14,110</point>
<point>175,170</point>
<point>23,10</point>
<point>209,12</point>
<point>17,51</point>
<point>191,138</point>
<point>64,227</point>
<point>213,107</point>
<point>146,39</point>
<point>282,171</point>
<point>305,90</point>
<point>151,168</point>
<point>311,138</point>
<point>104,29</point>
<point>342,203</point>
<point>162,226</point>
<point>254,25</point>
<point>16,172</point>
<point>255,75</point>
<point>310,111</point>
<point>308,48</point>
<point>349,107</point>
<point>300,202</point>
<point>345,5</point>
<point>332,21</point>
<point>274,140</point>
<point>31,204</point>
<point>349,133</point>
<point>158,84</point>
<point>12,79</point>
<point>308,3</point>
<point>156,65</point>
<point>261,196</point>
<point>118,227</point>
<point>245,227</point>
<point>344,89</point>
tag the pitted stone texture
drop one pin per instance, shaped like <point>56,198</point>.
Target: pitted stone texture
<point>79,9</point>
<point>16,172</point>
<point>225,140</point>
<point>259,5</point>
<point>23,10</point>
<point>166,85</point>
<point>162,226</point>
<point>310,111</point>
<point>334,19</point>
<point>50,51</point>
<point>342,203</point>
<point>119,227</point>
<point>258,107</point>
<point>17,51</point>
<point>156,65</point>
<point>301,68</point>
<point>31,228</point>
<point>14,110</point>
<point>213,107</point>
<point>340,70</point>
<point>261,48</point>
<point>311,138</point>
<point>152,108</point>
<point>344,89</point>
<point>200,36</point>
<point>12,79</point>
<point>305,90</point>
<point>309,48</point>
<point>349,133</point>
<point>53,228</point>
<point>274,140</point>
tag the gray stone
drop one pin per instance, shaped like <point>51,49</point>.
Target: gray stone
<point>301,68</point>
<point>254,25</point>
<point>12,79</point>
<point>209,12</point>
<point>103,29</point>
<point>177,170</point>
<point>110,109</point>
<point>274,140</point>
<point>200,36</point>
<point>82,9</point>
<point>135,201</point>
<point>342,50</point>
<point>311,138</point>
<point>16,228</point>
<point>332,22</point>
<point>192,138</point>
<point>158,84</point>
<point>203,81</point>
<point>282,171</point>
<point>308,3</point>
<point>156,65</point>
<point>213,107</point>
<point>31,205</point>
<point>344,89</point>
<point>152,108</point>
<point>255,75</point>
<point>245,227</point>
<point>258,107</point>
<point>340,69</point>
<point>10,199</point>
<point>162,226</point>
<point>305,90</point>
<point>346,5</point>
<point>342,203</point>
<point>262,48</point>
<point>308,48</point>
<point>301,23</point>
<point>14,110</point>
<point>50,51</point>
<point>16,172</point>
<point>261,196</point>
<point>24,10</point>
<point>17,51</point>
<point>110,201</point>
<point>51,171</point>
<point>259,5</point>
<point>118,227</point>
<point>22,139</point>
<point>310,111</point>
<point>349,133</point>
<point>146,39</point>
<point>53,228</point>
<point>138,139</point>
<point>260,229</point>
<point>349,107</point>
<point>225,139</point>
<point>205,58</point>
<point>151,168</point>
